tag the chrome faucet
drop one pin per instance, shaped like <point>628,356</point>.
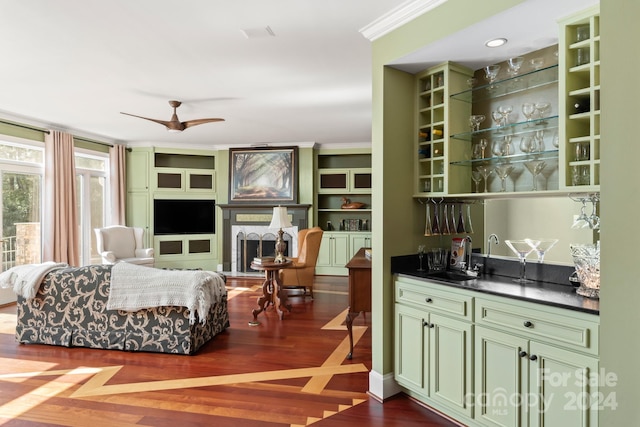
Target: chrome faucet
<point>492,237</point>
<point>467,257</point>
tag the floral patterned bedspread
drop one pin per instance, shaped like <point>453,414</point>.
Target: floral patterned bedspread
<point>70,310</point>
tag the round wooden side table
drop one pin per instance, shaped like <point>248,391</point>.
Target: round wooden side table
<point>272,292</point>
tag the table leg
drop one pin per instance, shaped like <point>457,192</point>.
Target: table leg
<point>263,300</point>
<point>350,316</point>
<point>279,295</point>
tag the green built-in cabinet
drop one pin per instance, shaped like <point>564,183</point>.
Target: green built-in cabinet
<point>487,360</point>
<point>567,135</point>
<point>154,173</point>
<point>433,334</point>
<point>337,248</point>
<point>342,176</point>
<point>437,117</point>
<point>579,58</point>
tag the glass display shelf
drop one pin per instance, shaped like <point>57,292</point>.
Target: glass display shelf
<point>524,81</point>
<point>513,158</point>
<point>513,129</point>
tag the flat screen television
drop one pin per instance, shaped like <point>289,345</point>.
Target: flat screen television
<point>173,216</point>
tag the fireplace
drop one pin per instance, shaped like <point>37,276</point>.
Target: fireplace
<point>252,241</point>
<point>252,221</point>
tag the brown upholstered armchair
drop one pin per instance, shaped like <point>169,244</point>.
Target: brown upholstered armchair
<point>300,274</point>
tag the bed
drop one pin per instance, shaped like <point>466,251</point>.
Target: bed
<point>70,309</point>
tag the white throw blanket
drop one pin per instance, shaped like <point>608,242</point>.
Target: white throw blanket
<point>135,287</point>
<point>25,279</point>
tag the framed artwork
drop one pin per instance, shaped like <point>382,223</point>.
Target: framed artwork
<point>263,175</point>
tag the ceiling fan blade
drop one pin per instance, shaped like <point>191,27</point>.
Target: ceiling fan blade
<point>196,122</point>
<point>162,122</point>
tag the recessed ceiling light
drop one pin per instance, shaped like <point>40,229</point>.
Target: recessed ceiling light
<point>495,42</point>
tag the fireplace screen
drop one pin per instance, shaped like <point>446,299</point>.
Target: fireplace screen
<point>253,245</point>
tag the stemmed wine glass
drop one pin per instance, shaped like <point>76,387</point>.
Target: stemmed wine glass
<point>503,171</point>
<point>447,224</point>
<point>497,117</point>
<point>541,246</point>
<point>507,144</point>
<point>539,137</point>
<point>486,172</point>
<point>483,145</point>
<point>582,221</point>
<point>476,177</point>
<point>497,148</point>
<point>475,121</point>
<point>491,73</point>
<point>535,167</point>
<point>504,111</point>
<point>521,248</point>
<point>461,228</point>
<point>420,257</point>
<point>542,108</point>
<point>514,65</point>
<point>527,144</point>
<point>427,221</point>
<point>594,219</point>
<point>435,229</point>
<point>528,109</point>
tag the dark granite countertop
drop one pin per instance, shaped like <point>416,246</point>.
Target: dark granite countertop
<point>550,284</point>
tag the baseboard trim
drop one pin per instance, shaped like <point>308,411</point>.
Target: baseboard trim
<point>382,387</point>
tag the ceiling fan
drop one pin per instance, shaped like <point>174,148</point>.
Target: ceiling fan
<point>175,125</point>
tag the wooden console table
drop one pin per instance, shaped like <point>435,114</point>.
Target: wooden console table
<point>272,293</point>
<point>359,291</point>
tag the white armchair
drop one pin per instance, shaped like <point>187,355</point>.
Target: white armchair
<point>118,243</point>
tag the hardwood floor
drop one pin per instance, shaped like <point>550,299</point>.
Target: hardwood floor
<point>290,372</point>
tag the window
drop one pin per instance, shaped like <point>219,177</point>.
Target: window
<point>92,187</point>
<point>21,174</point>
<point>21,169</point>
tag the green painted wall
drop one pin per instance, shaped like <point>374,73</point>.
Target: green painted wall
<point>620,180</point>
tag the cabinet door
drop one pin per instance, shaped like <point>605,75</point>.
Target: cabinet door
<point>325,252</point>
<point>137,171</point>
<point>138,206</point>
<point>333,180</point>
<point>500,378</point>
<point>450,363</point>
<point>341,254</point>
<point>358,241</point>
<point>360,181</point>
<point>411,346</point>
<point>563,388</point>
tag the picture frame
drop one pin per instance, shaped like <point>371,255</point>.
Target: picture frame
<point>263,175</point>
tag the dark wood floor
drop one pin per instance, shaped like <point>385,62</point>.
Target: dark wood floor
<point>282,373</point>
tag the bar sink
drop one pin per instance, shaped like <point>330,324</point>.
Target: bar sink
<point>450,276</point>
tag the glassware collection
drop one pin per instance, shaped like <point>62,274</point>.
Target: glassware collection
<point>447,217</point>
<point>516,145</point>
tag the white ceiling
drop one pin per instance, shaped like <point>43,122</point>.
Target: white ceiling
<point>76,64</point>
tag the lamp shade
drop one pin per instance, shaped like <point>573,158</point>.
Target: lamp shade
<point>280,218</point>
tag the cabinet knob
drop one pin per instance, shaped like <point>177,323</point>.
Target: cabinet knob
<point>522,353</point>
<point>431,325</point>
<point>425,323</point>
<point>428,300</point>
<point>528,324</point>
<point>533,357</point>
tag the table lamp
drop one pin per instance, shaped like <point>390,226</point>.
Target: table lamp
<point>279,221</point>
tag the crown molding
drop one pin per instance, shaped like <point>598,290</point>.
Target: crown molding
<point>398,17</point>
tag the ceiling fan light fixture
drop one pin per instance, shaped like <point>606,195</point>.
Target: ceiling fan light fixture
<point>497,42</point>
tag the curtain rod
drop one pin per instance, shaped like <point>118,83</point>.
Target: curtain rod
<point>24,126</point>
<point>48,132</point>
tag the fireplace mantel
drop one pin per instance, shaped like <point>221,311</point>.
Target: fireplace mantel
<point>255,214</point>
